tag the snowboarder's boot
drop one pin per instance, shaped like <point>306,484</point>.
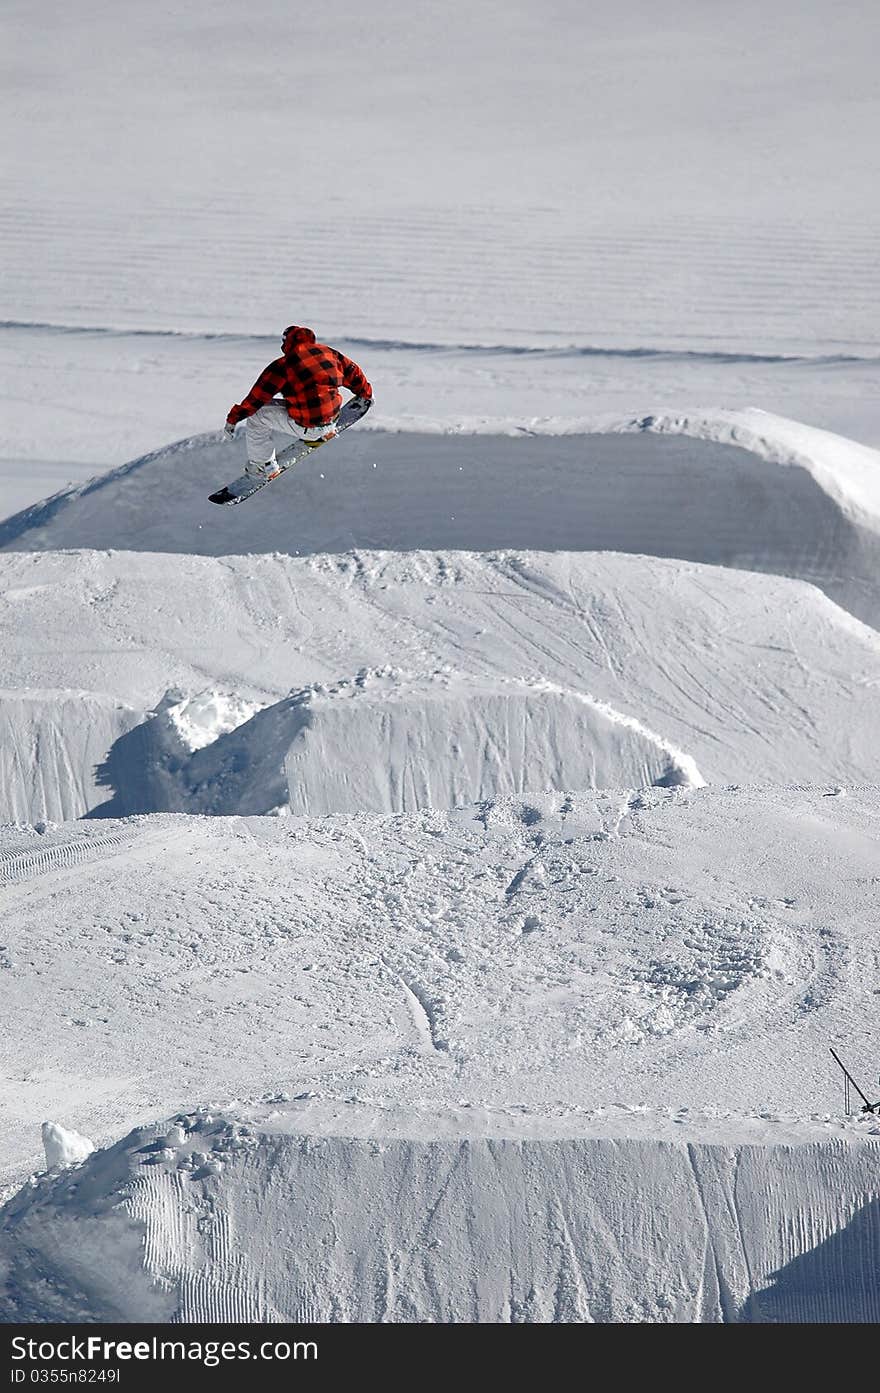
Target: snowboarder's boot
<point>270,469</point>
<point>329,435</point>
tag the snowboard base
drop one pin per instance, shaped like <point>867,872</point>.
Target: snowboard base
<point>245,485</point>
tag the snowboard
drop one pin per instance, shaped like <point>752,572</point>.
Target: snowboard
<point>244,486</point>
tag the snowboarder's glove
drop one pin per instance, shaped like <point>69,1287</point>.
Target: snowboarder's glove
<point>229,430</point>
<point>364,403</point>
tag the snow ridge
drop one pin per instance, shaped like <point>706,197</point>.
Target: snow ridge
<point>545,345</point>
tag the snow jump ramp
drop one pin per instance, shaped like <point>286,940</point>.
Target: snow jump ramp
<point>251,1218</point>
<point>742,489</point>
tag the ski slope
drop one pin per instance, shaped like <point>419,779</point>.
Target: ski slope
<point>658,936</point>
<point>691,178</point>
<point>434,886</point>
<point>550,1007</point>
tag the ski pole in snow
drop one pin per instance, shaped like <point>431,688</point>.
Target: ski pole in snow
<point>849,1081</point>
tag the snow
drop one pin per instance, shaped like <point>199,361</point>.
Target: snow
<point>200,719</point>
<point>385,743</point>
<point>761,678</point>
<point>54,740</point>
<point>729,488</point>
<point>630,1194</point>
<point>196,378</point>
<point>622,1228</point>
<point>63,1146</point>
<point>459,858</point>
<point>566,951</point>
<point>615,174</point>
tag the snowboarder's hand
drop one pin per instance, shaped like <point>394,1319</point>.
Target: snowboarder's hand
<point>229,430</point>
<point>364,403</point>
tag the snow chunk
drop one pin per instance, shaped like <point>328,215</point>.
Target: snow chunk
<point>202,718</point>
<point>63,1146</point>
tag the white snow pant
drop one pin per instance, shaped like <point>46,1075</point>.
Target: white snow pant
<point>273,417</point>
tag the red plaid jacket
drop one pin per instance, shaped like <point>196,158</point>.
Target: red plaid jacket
<point>308,377</point>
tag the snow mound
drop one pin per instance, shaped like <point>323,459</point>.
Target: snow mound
<point>386,742</point>
<point>743,489</point>
<point>564,1224</point>
<point>753,677</point>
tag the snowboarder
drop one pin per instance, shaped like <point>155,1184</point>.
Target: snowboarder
<point>308,377</point>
